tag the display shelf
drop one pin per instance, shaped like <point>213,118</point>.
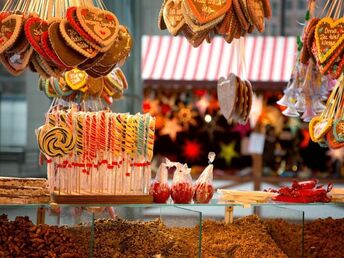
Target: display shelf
<point>213,202</point>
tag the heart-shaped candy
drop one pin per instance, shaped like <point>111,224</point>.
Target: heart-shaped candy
<point>208,10</point>
<point>10,28</point>
<point>73,39</point>
<point>173,16</point>
<point>34,27</point>
<point>101,25</point>
<point>329,36</point>
<point>76,78</point>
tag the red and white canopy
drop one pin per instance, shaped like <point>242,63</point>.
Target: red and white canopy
<point>173,58</point>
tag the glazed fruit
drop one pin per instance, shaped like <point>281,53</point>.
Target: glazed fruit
<point>182,192</point>
<point>160,192</point>
<point>203,192</point>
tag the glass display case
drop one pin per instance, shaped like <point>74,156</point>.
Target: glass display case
<point>150,230</point>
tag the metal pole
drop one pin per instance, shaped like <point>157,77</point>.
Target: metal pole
<point>282,16</point>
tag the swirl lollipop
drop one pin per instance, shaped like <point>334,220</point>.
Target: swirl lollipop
<point>58,142</point>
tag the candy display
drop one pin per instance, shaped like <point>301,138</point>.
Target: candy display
<point>303,192</point>
<point>201,20</point>
<point>235,98</point>
<point>317,71</point>
<point>55,37</point>
<point>159,189</point>
<point>97,152</point>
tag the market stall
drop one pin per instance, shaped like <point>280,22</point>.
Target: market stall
<point>100,187</point>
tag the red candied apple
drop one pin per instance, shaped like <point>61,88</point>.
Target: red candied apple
<point>160,191</point>
<point>182,192</point>
<point>203,193</point>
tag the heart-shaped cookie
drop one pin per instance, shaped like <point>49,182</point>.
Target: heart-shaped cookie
<point>101,25</point>
<point>256,11</point>
<point>34,27</point>
<point>227,94</point>
<point>21,60</point>
<point>120,49</point>
<point>337,68</point>
<point>4,59</point>
<point>73,39</point>
<point>50,52</point>
<point>329,36</point>
<point>10,28</point>
<point>76,78</point>
<point>208,10</point>
<point>173,16</point>
<point>68,56</point>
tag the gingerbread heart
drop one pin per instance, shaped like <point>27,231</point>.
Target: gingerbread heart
<point>68,56</point>
<point>120,49</point>
<point>73,39</point>
<point>101,25</point>
<point>10,28</point>
<point>207,10</point>
<point>173,16</point>
<point>34,27</point>
<point>227,94</point>
<point>76,79</point>
<point>329,36</point>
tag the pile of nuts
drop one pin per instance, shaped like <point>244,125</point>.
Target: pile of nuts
<point>322,237</point>
<point>245,237</point>
<point>122,238</point>
<point>21,238</point>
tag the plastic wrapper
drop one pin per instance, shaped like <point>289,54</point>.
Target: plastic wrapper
<point>204,188</point>
<point>159,189</point>
<point>182,191</point>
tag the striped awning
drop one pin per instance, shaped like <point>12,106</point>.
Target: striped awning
<point>174,59</point>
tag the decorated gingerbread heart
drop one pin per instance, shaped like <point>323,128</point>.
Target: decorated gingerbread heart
<point>76,78</point>
<point>101,25</point>
<point>10,28</point>
<point>329,36</point>
<point>207,10</point>
<point>173,16</point>
<point>74,39</point>
<point>34,27</point>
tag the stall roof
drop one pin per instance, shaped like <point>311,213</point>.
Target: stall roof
<point>174,59</point>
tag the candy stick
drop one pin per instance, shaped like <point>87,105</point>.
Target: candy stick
<point>145,149</point>
<point>118,152</point>
<point>102,126</point>
<point>52,121</point>
<point>123,148</point>
<point>86,154</point>
<point>140,152</point>
<point>133,153</point>
<point>93,146</point>
<point>79,144</point>
<point>128,142</point>
<point>150,145</point>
